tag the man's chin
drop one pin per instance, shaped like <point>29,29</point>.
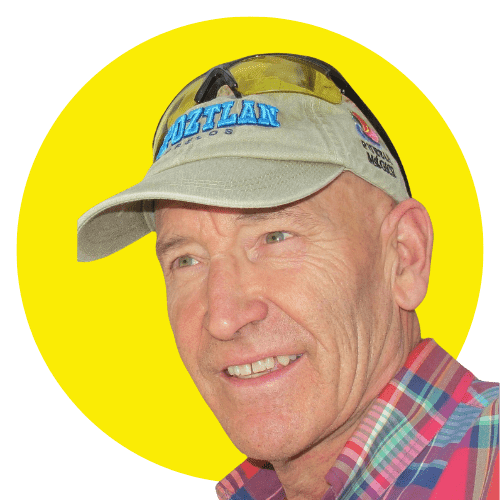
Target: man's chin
<point>265,454</point>
<point>275,442</point>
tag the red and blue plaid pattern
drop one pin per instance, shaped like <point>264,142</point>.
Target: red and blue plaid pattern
<point>431,434</point>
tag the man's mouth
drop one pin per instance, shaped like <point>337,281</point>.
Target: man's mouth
<point>261,367</point>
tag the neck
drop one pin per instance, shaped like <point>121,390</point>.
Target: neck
<point>303,476</point>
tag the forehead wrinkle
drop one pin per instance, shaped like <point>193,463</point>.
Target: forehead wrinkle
<point>292,213</point>
<point>264,214</point>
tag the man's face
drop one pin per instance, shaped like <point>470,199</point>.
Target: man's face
<point>309,283</point>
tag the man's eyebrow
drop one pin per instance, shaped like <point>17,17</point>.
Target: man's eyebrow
<point>165,245</point>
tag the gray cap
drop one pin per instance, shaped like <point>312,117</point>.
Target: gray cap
<point>262,151</point>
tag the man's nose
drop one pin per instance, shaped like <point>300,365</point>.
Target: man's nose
<point>233,298</point>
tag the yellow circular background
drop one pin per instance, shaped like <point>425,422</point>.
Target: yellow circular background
<point>102,327</point>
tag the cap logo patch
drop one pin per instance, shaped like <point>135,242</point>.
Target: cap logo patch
<point>364,130</point>
<point>189,124</point>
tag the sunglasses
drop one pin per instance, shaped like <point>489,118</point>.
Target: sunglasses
<point>265,73</point>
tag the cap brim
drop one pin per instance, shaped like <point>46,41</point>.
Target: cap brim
<point>231,182</point>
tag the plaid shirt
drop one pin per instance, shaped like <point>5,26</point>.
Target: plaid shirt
<point>431,434</point>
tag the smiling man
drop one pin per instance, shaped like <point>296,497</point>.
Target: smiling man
<point>294,258</point>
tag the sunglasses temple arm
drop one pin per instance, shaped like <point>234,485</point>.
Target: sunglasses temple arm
<point>215,79</point>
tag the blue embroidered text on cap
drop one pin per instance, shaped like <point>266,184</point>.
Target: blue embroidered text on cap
<point>188,125</point>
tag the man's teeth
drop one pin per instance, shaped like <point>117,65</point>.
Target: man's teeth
<point>261,367</point>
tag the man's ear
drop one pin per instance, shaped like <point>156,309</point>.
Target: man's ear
<point>409,233</point>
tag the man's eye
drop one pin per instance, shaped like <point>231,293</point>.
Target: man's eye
<point>277,236</point>
<point>186,261</point>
